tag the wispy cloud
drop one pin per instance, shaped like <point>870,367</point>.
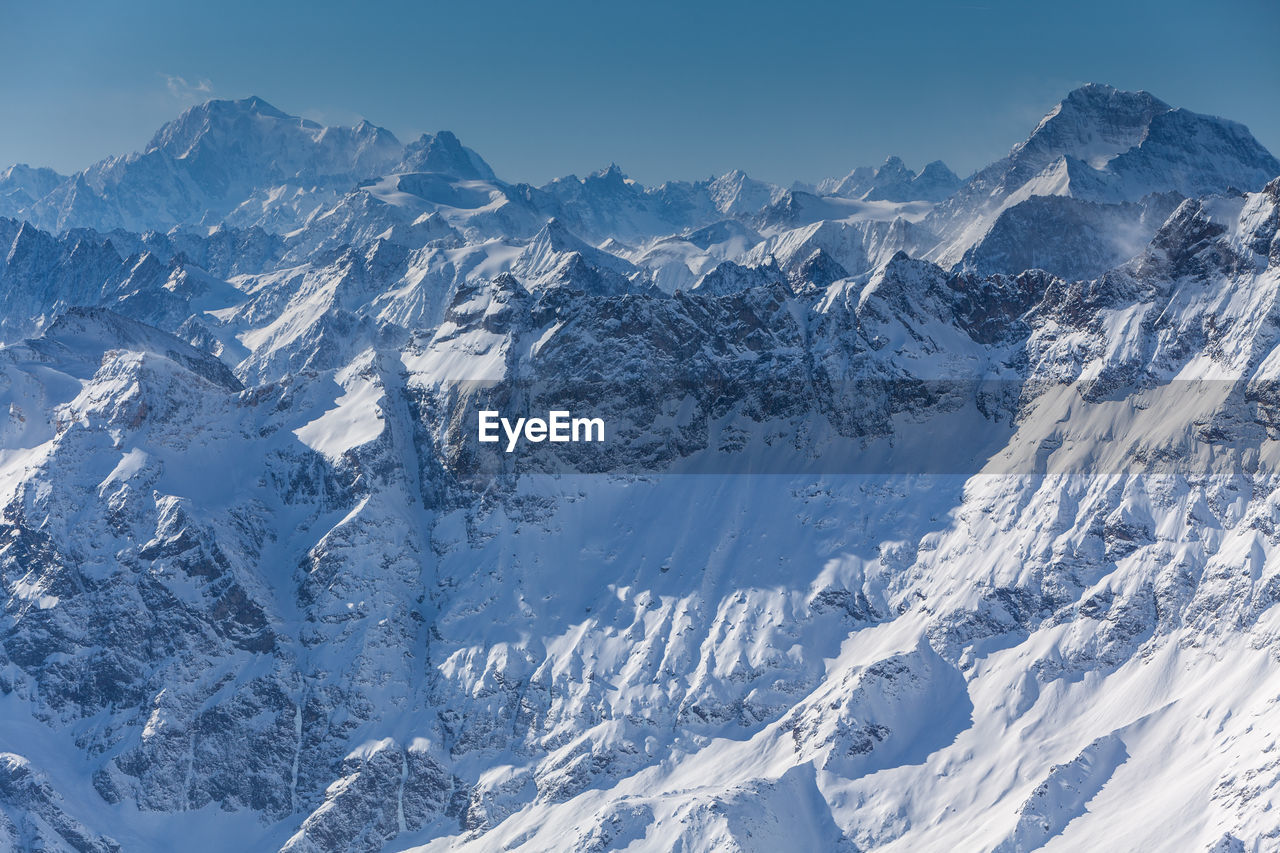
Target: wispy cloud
<point>188,90</point>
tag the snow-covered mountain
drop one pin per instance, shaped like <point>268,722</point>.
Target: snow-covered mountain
<point>21,186</point>
<point>920,523</point>
<point>444,154</point>
<point>1101,146</point>
<point>243,162</point>
<point>893,181</point>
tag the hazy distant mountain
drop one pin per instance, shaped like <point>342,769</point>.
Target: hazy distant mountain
<point>893,181</point>
<point>243,161</point>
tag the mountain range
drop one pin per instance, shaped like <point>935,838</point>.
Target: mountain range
<point>933,514</point>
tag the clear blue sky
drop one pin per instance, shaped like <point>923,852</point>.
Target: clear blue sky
<point>796,90</point>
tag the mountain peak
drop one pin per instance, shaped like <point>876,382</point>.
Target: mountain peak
<point>1098,146</point>
<point>443,152</point>
<point>252,122</point>
<point>1099,98</point>
<point>201,166</point>
<point>21,184</point>
<point>612,173</point>
<point>893,172</point>
<point>1093,123</point>
<point>181,135</point>
<point>256,105</point>
<point>1091,91</point>
<point>552,252</point>
<point>223,109</point>
<point>736,193</point>
<point>937,168</point>
<point>558,237</point>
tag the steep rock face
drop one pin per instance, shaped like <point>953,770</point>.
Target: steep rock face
<point>384,792</point>
<point>160,279</point>
<point>1194,155</point>
<point>1067,237</point>
<point>729,277</point>
<point>1093,124</point>
<point>32,816</point>
<point>188,608</point>
<point>162,621</point>
<point>42,276</point>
